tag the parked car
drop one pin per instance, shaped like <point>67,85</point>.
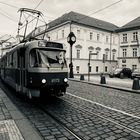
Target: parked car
<point>136,74</point>
<point>121,72</point>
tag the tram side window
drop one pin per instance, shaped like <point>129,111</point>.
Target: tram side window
<point>14,59</point>
<point>10,63</point>
<point>7,61</point>
<point>33,58</point>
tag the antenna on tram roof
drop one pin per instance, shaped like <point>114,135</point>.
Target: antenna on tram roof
<point>26,13</point>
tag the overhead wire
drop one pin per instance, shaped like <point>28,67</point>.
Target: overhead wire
<point>110,5</point>
<point>39,4</point>
<point>7,16</point>
<point>13,6</point>
<point>9,4</point>
<point>3,14</point>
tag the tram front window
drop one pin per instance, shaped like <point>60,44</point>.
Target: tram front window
<point>47,58</point>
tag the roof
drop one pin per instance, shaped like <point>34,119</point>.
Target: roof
<point>83,20</point>
<point>132,25</point>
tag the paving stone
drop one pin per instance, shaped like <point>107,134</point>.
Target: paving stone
<point>49,137</point>
<point>63,138</point>
<point>111,138</point>
<point>122,139</point>
<point>135,135</point>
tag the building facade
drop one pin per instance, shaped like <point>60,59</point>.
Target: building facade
<point>129,45</point>
<point>92,36</point>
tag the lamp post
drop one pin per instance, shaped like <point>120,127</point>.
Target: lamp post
<point>89,64</point>
<point>71,39</point>
<point>139,59</point>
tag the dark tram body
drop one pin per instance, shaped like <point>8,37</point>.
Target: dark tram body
<point>36,67</point>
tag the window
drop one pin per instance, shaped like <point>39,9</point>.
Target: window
<point>135,36</point>
<point>134,67</point>
<point>124,37</point>
<point>62,33</point>
<point>114,40</point>
<point>106,55</point>
<point>124,52</point>
<point>105,68</point>
<point>123,66</point>
<point>107,39</point>
<point>11,60</point>
<point>98,37</point>
<point>15,59</point>
<point>77,69</point>
<point>134,52</point>
<point>78,54</point>
<point>91,35</point>
<point>46,58</point>
<point>97,69</point>
<point>113,56</point>
<point>90,55</point>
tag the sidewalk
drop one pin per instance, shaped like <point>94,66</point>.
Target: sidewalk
<point>13,125</point>
<point>119,84</point>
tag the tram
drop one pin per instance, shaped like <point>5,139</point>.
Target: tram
<point>36,67</point>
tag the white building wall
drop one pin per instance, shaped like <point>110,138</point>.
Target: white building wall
<point>83,40</point>
<point>130,60</point>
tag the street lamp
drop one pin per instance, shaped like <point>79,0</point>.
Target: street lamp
<point>71,39</point>
<point>89,64</point>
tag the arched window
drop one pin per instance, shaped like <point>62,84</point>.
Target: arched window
<point>90,48</point>
<point>114,50</point>
<point>98,49</point>
<point>114,54</point>
<point>107,49</point>
<point>106,53</point>
<point>78,46</point>
<point>78,51</point>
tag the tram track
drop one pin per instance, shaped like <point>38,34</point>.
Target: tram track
<point>60,123</point>
<point>119,128</point>
<point>105,118</point>
<point>79,122</point>
<point>40,115</point>
<point>127,120</point>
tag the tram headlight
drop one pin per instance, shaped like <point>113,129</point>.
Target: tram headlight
<point>65,80</point>
<point>43,81</point>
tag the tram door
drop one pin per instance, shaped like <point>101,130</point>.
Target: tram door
<point>22,69</point>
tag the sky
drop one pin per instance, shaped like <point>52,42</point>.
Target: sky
<point>119,14</point>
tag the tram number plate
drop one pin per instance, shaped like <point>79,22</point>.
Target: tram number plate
<point>55,80</point>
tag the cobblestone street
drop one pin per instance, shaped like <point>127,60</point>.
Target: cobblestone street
<point>85,112</point>
<point>117,99</point>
